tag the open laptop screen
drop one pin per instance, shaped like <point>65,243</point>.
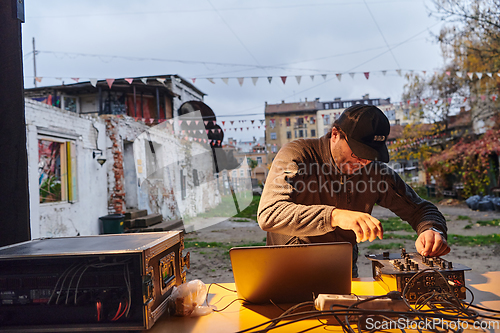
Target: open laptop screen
<point>291,273</point>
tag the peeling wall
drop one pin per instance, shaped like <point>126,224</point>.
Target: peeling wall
<point>64,218</point>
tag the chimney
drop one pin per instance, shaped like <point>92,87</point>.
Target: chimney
<point>306,99</point>
<point>337,99</point>
<point>282,101</point>
<point>366,96</point>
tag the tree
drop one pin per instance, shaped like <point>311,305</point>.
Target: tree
<point>471,39</point>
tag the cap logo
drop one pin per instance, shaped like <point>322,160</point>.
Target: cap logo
<point>379,138</point>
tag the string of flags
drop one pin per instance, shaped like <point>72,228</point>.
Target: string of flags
<point>414,142</point>
<point>298,78</point>
<point>208,124</point>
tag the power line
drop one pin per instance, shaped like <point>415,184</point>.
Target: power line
<point>381,33</point>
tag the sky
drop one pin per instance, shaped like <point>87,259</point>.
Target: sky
<point>224,41</point>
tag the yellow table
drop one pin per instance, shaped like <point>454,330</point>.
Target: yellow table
<point>486,288</point>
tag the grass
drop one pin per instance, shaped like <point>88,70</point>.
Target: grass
<point>227,208</point>
<point>489,223</point>
<point>463,217</point>
<point>386,246</point>
<point>468,226</point>
<point>395,236</point>
<point>394,224</point>
<point>474,240</point>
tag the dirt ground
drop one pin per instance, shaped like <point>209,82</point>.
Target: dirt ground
<point>212,264</point>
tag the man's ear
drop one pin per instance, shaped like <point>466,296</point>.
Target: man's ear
<point>335,135</point>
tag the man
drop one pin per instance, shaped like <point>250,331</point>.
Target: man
<point>323,190</point>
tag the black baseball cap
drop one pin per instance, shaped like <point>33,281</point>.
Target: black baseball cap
<point>367,129</point>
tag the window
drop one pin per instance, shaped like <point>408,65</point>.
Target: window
<point>312,121</point>
<point>326,106</point>
<point>305,132</point>
<point>259,159</point>
<point>376,102</point>
<point>57,170</point>
<point>234,174</point>
<point>288,122</point>
<point>274,149</point>
<point>300,121</point>
<point>196,180</point>
<point>347,104</point>
<point>336,105</point>
<point>242,173</point>
<point>301,133</point>
<point>313,133</point>
<point>289,135</point>
<point>273,136</point>
<point>326,119</point>
<point>70,103</point>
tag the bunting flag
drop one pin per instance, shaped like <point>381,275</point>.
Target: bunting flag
<point>93,82</point>
<point>312,78</point>
<point>398,71</point>
<point>339,76</point>
<point>38,78</point>
<point>75,79</point>
<point>324,76</point>
<point>479,75</point>
<point>459,74</point>
<point>283,79</point>
<point>385,72</point>
<point>470,75</point>
<point>425,72</point>
<point>210,80</point>
<point>298,78</point>
<point>128,80</point>
<point>193,79</point>
<point>483,97</point>
<point>145,80</point>
<point>494,97</point>
<point>269,78</point>
<point>352,75</point>
<point>448,73</point>
<point>240,80</point>
<point>110,82</point>
<point>225,80</point>
<point>489,74</point>
<point>367,75</point>
<point>254,80</point>
<point>161,80</point>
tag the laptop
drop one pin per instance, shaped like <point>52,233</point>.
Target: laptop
<point>291,273</point>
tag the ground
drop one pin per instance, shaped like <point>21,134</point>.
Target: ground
<point>209,247</point>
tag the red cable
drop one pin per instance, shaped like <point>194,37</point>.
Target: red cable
<point>117,312</point>
<point>98,306</point>
<point>124,310</point>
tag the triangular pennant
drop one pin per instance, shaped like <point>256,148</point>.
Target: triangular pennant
<point>76,79</point>
<point>201,131</point>
<point>196,122</point>
<point>210,80</point>
<point>465,99</point>
<point>448,73</point>
<point>490,75</point>
<point>339,76</point>
<point>483,97</point>
<point>367,75</point>
<point>39,79</point>
<point>240,80</point>
<point>188,122</point>
<point>493,97</point>
<point>479,75</point>
<point>298,78</point>
<point>180,122</point>
<point>269,78</point>
<point>352,75</point>
<point>398,71</point>
<point>144,80</point>
<point>110,82</point>
<point>258,127</point>
<point>283,79</point>
<point>207,131</point>
<point>241,129</point>
<point>460,74</point>
<point>231,121</point>
<point>252,121</point>
<point>223,122</point>
<point>324,76</point>
<point>206,123</point>
<point>93,82</point>
<point>171,121</point>
<point>471,75</point>
<point>161,80</point>
<point>129,80</point>
<point>385,72</point>
<point>254,80</point>
<point>425,72</point>
<point>312,77</point>
<point>193,79</point>
<point>225,80</point>
<point>498,73</point>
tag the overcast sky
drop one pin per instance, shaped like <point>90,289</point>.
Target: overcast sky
<point>237,39</point>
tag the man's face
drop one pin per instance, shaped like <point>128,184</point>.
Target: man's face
<point>343,156</point>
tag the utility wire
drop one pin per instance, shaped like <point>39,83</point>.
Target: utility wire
<point>381,33</point>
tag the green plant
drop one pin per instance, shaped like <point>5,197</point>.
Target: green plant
<point>395,223</point>
<point>468,226</point>
<point>489,223</point>
<point>474,240</point>
<point>462,217</point>
<point>50,190</point>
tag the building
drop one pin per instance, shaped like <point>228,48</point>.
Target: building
<point>286,122</point>
<point>250,150</point>
<point>88,157</point>
<point>152,98</point>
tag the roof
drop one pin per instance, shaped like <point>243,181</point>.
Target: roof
<point>307,106</point>
<point>462,119</point>
<point>86,87</point>
<point>396,132</point>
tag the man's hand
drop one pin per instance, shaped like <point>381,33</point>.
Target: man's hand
<point>431,244</point>
<point>365,226</point>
